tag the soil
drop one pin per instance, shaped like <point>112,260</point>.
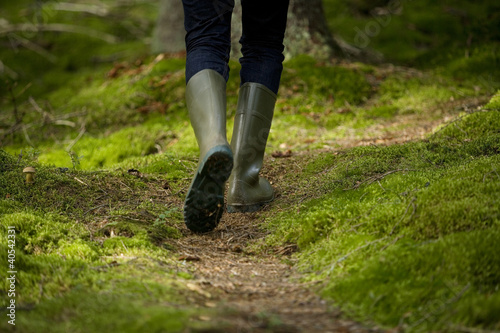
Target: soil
<point>257,292</point>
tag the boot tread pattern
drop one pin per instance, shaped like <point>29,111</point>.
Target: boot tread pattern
<point>204,203</point>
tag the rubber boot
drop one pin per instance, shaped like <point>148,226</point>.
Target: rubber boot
<point>248,192</point>
<point>206,103</point>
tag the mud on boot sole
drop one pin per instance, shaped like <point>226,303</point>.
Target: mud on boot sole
<point>204,203</point>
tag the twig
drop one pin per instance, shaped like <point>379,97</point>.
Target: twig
<point>26,136</point>
<point>493,171</point>
<point>372,179</point>
<point>82,8</point>
<point>354,251</point>
<point>378,181</point>
<point>353,228</point>
<point>391,243</point>
<point>461,130</point>
<point>440,309</point>
<point>82,131</point>
<point>363,196</point>
<point>37,108</point>
<point>58,27</point>
<point>406,211</point>
<point>35,48</point>
<point>94,208</point>
<point>80,181</point>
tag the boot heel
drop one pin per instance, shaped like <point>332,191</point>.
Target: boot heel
<point>220,163</point>
<point>204,203</point>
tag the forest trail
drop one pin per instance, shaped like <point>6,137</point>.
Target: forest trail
<point>262,290</point>
<point>258,292</point>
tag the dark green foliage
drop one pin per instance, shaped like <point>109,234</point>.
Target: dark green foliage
<point>318,82</point>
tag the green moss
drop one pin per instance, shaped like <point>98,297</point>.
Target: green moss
<point>422,286</point>
<point>68,53</point>
<point>316,82</point>
<point>81,311</point>
<point>494,102</point>
<point>396,230</point>
<point>37,234</point>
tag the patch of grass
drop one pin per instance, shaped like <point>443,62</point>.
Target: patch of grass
<point>416,95</point>
<point>122,310</point>
<point>398,233</point>
<point>494,102</point>
<point>317,81</point>
<point>71,267</point>
<point>424,286</point>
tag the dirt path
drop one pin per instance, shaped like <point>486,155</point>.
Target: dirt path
<point>257,292</point>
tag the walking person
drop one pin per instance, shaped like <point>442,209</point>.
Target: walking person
<point>208,44</point>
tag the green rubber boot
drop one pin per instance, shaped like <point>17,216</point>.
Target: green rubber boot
<point>206,103</point>
<point>248,192</point>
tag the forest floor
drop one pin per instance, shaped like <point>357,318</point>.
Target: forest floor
<point>91,238</point>
<point>386,175</point>
<point>261,290</point>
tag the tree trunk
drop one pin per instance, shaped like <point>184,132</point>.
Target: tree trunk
<point>169,32</point>
<point>307,29</point>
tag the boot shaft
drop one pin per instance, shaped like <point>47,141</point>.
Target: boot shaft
<point>247,190</point>
<point>252,124</point>
<point>206,104</point>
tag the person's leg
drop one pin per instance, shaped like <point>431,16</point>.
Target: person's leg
<point>264,26</point>
<point>207,44</point>
<point>208,35</point>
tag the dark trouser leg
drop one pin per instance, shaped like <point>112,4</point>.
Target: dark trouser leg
<point>208,35</point>
<point>264,24</point>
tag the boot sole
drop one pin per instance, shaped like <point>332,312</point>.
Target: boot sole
<point>204,203</point>
<point>247,208</point>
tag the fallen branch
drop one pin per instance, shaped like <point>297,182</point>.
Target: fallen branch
<point>58,27</point>
<point>443,307</point>
<point>82,8</point>
<point>72,143</point>
<point>35,48</point>
<point>406,211</point>
<point>344,257</point>
<point>373,179</point>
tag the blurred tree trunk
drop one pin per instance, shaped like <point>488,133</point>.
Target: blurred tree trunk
<point>307,29</point>
<point>169,32</point>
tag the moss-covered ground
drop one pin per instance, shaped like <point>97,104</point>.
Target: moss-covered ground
<point>387,175</point>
